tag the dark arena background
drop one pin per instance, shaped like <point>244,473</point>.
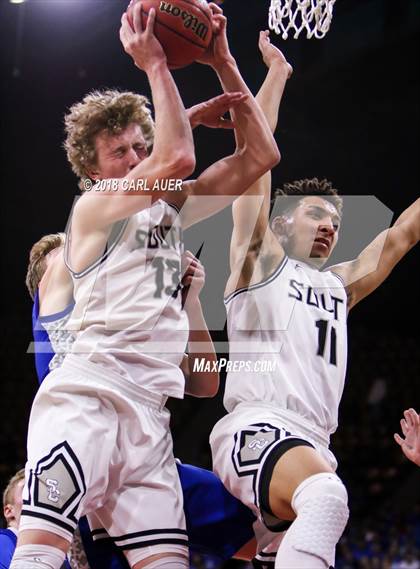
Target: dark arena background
<point>350,113</point>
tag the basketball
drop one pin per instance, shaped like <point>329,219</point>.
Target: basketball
<point>183,27</point>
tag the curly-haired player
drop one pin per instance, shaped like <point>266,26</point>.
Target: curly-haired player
<point>217,523</point>
<point>110,450</point>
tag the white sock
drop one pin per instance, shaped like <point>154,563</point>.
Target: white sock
<point>37,557</point>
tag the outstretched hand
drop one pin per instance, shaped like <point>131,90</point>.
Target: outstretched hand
<point>210,113</point>
<point>271,54</point>
<point>410,444</point>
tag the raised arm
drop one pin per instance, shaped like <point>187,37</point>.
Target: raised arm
<point>200,378</point>
<point>173,150</point>
<point>257,151</point>
<point>251,214</point>
<point>363,275</point>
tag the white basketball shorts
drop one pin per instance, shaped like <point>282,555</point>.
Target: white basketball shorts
<point>246,445</point>
<point>98,443</point>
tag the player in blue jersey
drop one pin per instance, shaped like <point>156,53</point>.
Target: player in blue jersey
<point>218,524</point>
<point>12,507</point>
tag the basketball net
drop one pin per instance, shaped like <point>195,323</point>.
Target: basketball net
<point>288,16</point>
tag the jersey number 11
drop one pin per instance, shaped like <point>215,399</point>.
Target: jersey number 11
<point>322,326</point>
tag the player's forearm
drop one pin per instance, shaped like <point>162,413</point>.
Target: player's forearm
<point>173,141</point>
<point>411,220</point>
<point>250,122</point>
<point>269,96</point>
<point>269,99</point>
<point>202,381</point>
<point>271,92</point>
<point>197,324</point>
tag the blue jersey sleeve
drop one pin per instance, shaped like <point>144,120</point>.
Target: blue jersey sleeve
<point>7,547</point>
<point>43,349</point>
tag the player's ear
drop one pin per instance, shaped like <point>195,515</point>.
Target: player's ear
<point>93,173</point>
<point>280,226</point>
<point>8,513</point>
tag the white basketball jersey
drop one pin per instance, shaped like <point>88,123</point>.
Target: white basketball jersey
<point>128,312</point>
<point>291,329</point>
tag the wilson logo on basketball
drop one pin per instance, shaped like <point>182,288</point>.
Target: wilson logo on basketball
<point>189,21</point>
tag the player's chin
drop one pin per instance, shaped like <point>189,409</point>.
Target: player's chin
<point>320,251</point>
<point>318,260</point>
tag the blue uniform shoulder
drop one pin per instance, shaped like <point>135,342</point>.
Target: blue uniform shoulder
<point>7,547</point>
<point>43,349</point>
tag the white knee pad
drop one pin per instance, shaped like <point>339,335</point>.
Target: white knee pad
<point>37,557</point>
<point>320,503</point>
<point>169,562</point>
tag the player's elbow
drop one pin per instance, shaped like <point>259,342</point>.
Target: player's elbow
<point>211,386</point>
<point>264,154</point>
<point>412,234</point>
<point>182,164</point>
<point>202,385</point>
<point>275,156</point>
<point>265,160</point>
<point>271,156</point>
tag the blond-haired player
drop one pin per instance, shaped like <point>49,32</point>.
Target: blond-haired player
<point>210,511</point>
<point>12,507</point>
<point>271,450</point>
<point>12,499</point>
<point>110,450</point>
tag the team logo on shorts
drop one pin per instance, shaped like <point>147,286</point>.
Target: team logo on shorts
<point>252,444</point>
<point>258,444</point>
<point>54,492</point>
<point>55,487</point>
